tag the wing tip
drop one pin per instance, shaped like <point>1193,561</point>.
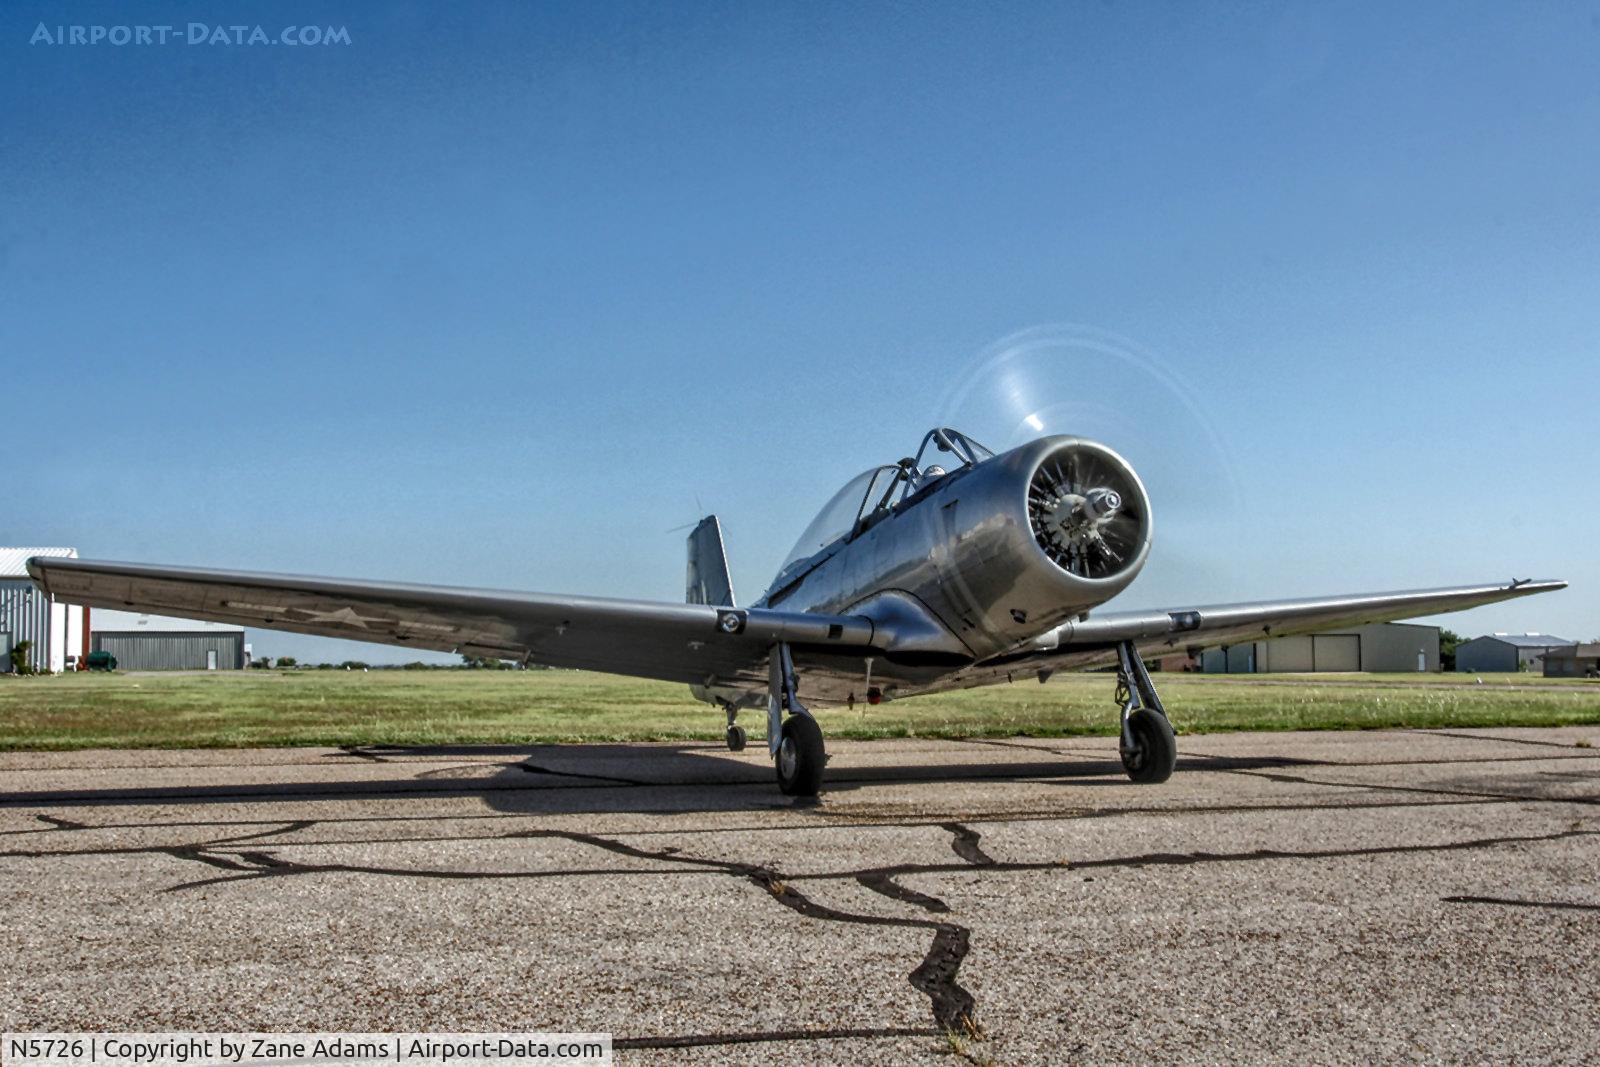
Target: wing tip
<point>1537,585</point>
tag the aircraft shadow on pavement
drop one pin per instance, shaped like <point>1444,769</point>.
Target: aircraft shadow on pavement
<point>596,778</point>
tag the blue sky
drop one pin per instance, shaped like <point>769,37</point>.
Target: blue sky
<point>500,294</point>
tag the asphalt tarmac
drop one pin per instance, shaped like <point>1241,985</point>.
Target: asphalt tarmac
<point>1317,897</point>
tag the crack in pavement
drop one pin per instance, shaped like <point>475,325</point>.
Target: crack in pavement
<point>1002,816</point>
<point>456,767</point>
<point>953,1007</point>
<point>419,786</point>
<point>362,752</point>
<point>882,883</point>
<point>758,1036</point>
<point>1569,745</point>
<point>936,976</point>
<point>52,824</point>
<point>534,768</point>
<point>836,819</point>
<point>1185,859</point>
<point>199,853</point>
<point>1573,905</point>
<point>264,864</point>
<point>289,827</point>
<point>964,841</point>
<point>1472,794</point>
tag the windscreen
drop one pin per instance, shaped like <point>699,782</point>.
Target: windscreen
<point>837,517</point>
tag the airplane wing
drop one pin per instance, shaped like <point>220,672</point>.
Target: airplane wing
<point>672,642</point>
<point>1092,642</point>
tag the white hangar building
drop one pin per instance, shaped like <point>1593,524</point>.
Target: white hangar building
<point>63,635</point>
<point>57,631</point>
<point>1382,646</point>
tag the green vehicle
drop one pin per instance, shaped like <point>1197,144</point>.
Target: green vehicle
<point>100,661</point>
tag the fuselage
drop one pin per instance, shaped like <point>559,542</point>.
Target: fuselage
<point>971,563</point>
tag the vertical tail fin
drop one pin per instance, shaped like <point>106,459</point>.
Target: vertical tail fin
<point>708,566</point>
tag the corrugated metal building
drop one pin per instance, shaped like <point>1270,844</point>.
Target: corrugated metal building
<point>26,614</point>
<point>1573,661</point>
<point>62,634</point>
<point>1506,652</point>
<point>159,643</point>
<point>1384,646</point>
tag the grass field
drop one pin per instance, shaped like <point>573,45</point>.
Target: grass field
<point>434,707</point>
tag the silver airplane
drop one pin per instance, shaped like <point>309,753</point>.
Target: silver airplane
<point>951,569</point>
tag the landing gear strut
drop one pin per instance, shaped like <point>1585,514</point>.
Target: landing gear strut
<point>1149,749</point>
<point>794,742</point>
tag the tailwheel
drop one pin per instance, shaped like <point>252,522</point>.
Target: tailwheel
<point>1149,749</point>
<point>737,738</point>
<point>800,757</point>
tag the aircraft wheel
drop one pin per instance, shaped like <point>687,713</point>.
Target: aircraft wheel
<point>1155,749</point>
<point>800,757</point>
<point>737,738</point>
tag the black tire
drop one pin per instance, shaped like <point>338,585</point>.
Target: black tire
<point>737,738</point>
<point>800,757</point>
<point>1155,749</point>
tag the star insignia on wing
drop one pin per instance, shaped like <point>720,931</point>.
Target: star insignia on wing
<point>345,616</point>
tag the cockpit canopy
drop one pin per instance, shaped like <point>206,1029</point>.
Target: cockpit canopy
<point>882,488</point>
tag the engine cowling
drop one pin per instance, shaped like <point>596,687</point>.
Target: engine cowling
<point>1036,536</point>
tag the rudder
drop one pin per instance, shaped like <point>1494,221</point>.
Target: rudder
<point>709,582</point>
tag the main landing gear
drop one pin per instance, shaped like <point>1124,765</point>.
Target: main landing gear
<point>795,742</point>
<point>1149,749</point>
<point>737,738</point>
